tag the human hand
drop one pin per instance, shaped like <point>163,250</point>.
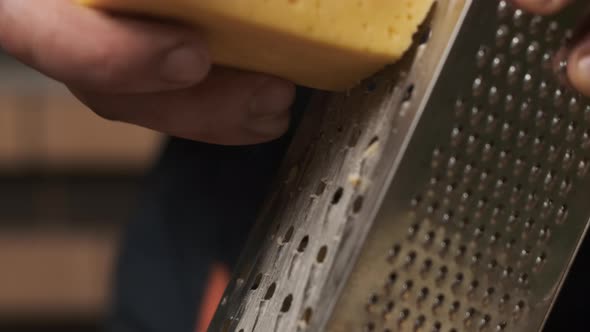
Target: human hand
<point>151,74</point>
<point>578,57</point>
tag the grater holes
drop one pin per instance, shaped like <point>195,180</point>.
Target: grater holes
<point>256,282</point>
<point>369,327</point>
<point>574,105</point>
<point>571,132</point>
<point>288,236</point>
<point>488,293</point>
<point>306,316</point>
<point>447,216</point>
<point>565,186</point>
<point>540,260</point>
<point>337,196</point>
<point>513,74</point>
<point>585,140</point>
<point>454,308</point>
<point>582,168</point>
<point>320,188</point>
<point>482,56</point>
<point>547,61</point>
<point>492,264</point>
<point>408,94</point>
<point>528,82</point>
<point>436,326</point>
<point>478,86</point>
<point>425,35</point>
<point>544,233</point>
<point>523,279</point>
<point>468,317</point>
<point>444,246</point>
<point>372,301</point>
<point>502,35</point>
<point>544,89</point>
<point>518,309</point>
<point>423,294</point>
<point>438,301</point>
<point>561,214</point>
<point>517,44</point>
<point>393,253</point>
<point>419,323</point>
<point>475,115</point>
<point>322,253</point>
<point>428,238</point>
<point>476,258</point>
<point>303,244</point>
<point>494,238</point>
<point>504,9</point>
<point>533,52</point>
<point>484,322</point>
<point>456,135</point>
<point>416,201</point>
<point>460,108</point>
<point>413,230</point>
<point>409,259</point>
<point>391,280</point>
<point>457,281</point>
<point>437,156</point>
<point>388,309</point>
<point>552,31</point>
<point>426,267</point>
<point>286,306</point>
<point>406,288</point>
<point>270,292</point>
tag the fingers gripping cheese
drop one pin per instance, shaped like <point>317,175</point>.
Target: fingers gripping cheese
<point>323,44</point>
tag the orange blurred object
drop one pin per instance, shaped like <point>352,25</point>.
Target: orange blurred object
<point>218,280</point>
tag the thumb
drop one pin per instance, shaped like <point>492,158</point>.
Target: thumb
<point>95,51</point>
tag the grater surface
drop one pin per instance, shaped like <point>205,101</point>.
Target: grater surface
<point>445,194</point>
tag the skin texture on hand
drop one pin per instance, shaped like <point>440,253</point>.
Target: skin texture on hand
<point>577,54</point>
<point>152,74</point>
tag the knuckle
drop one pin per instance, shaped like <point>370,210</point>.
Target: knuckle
<point>102,63</point>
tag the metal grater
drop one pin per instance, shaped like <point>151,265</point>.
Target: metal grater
<point>447,193</point>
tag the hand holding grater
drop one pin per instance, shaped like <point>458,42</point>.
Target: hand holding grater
<point>446,193</point>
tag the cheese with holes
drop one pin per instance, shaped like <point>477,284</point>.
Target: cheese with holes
<point>323,44</point>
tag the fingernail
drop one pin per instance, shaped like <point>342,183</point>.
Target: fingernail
<point>186,64</point>
<point>272,97</point>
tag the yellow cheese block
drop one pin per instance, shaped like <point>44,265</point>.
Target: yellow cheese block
<point>323,44</point>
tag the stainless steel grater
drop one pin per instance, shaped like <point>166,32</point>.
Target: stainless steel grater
<point>447,193</point>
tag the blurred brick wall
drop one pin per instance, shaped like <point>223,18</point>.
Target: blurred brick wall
<point>68,182</point>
